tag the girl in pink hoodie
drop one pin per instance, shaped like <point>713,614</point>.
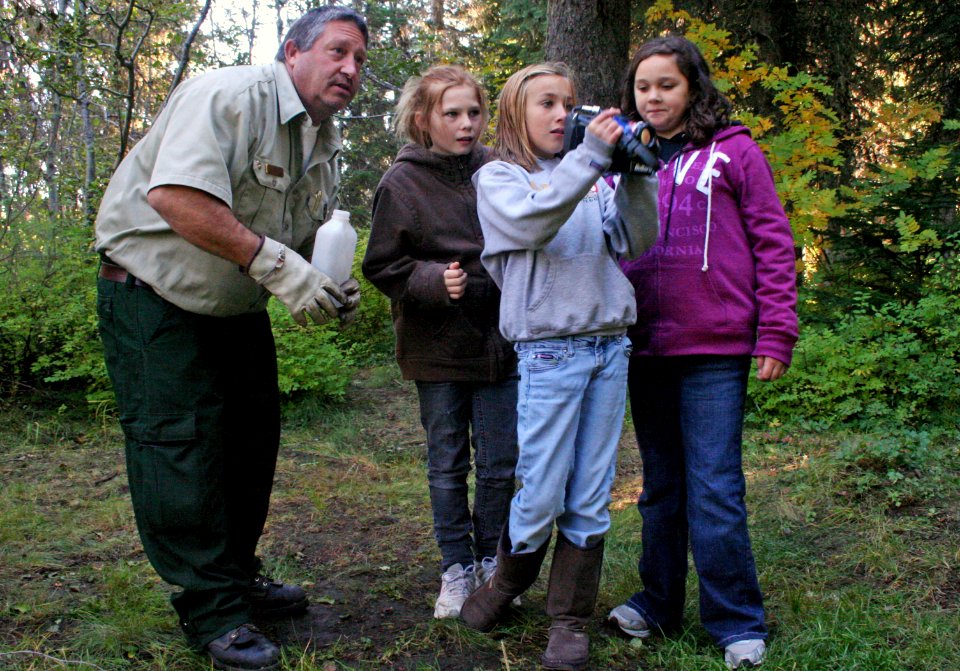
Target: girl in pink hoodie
<point>718,289</point>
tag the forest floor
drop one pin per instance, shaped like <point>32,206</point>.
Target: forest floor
<point>850,582</point>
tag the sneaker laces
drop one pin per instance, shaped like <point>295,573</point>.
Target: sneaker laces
<point>458,583</point>
<point>488,568</point>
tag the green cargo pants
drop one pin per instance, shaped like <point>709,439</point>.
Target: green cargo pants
<point>199,406</point>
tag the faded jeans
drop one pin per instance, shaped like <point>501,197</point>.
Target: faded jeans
<point>570,416</point>
<point>688,415</point>
<point>454,415</point>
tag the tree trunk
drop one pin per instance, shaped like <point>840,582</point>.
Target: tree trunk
<point>90,151</point>
<point>593,38</point>
<point>185,52</point>
<point>52,158</point>
<point>281,26</point>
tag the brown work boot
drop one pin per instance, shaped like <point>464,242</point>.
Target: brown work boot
<point>515,573</point>
<point>571,597</point>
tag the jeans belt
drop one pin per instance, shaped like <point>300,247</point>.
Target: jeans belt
<point>109,271</point>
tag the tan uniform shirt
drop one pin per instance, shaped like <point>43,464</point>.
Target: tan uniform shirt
<point>235,134</point>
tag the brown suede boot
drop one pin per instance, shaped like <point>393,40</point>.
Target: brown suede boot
<point>571,597</point>
<point>515,573</point>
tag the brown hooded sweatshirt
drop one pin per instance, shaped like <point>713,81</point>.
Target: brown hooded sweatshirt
<point>424,218</point>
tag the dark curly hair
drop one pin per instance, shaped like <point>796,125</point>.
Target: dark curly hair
<point>708,110</point>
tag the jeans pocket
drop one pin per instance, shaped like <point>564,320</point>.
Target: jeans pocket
<point>542,359</point>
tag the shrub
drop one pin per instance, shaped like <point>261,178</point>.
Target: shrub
<point>904,467</point>
<point>893,366</point>
<point>308,359</point>
<point>884,378</point>
<point>48,323</point>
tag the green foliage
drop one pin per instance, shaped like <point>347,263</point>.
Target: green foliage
<point>898,227</point>
<point>888,373</point>
<point>48,329</point>
<point>370,337</point>
<point>308,359</point>
<point>49,336</point>
<point>513,33</point>
<point>889,366</point>
<point>904,467</point>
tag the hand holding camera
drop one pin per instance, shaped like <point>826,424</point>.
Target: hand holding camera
<point>635,148</point>
<point>605,127</point>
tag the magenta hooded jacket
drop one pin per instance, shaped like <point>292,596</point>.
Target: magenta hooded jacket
<point>721,278</point>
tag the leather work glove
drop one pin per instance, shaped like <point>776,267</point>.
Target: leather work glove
<point>298,285</point>
<point>351,301</point>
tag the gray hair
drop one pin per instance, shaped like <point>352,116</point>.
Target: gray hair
<point>305,30</point>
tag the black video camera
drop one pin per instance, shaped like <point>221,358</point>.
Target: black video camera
<point>636,151</point>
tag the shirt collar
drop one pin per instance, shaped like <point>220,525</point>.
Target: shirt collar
<point>291,106</point>
<point>288,100</point>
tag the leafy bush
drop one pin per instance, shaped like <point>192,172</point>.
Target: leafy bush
<point>905,467</point>
<point>48,324</point>
<point>49,336</point>
<point>323,360</point>
<point>370,336</point>
<point>885,378</point>
<point>898,225</point>
<point>308,359</point>
<point>893,366</point>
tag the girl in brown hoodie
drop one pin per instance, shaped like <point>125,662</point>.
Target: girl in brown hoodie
<point>424,254</point>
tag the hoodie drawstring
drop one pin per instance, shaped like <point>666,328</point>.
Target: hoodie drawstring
<point>673,190</point>
<point>706,236</point>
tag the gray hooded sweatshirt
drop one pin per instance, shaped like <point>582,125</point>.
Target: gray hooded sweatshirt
<point>552,239</point>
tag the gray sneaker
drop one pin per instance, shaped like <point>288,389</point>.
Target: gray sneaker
<point>485,570</point>
<point>456,584</point>
<point>746,653</point>
<point>629,621</point>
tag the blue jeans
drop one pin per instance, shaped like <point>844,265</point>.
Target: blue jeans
<point>448,411</point>
<point>569,419</point>
<point>688,415</point>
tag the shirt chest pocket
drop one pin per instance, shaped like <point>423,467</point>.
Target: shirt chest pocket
<point>323,191</point>
<point>261,204</point>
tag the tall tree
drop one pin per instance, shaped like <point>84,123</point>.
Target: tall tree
<point>923,39</point>
<point>593,38</point>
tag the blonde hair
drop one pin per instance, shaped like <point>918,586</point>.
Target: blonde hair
<point>512,140</point>
<point>422,94</point>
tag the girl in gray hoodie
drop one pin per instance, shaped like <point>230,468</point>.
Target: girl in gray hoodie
<point>553,233</point>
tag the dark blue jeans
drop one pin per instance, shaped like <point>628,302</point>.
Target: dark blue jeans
<point>688,415</point>
<point>454,414</point>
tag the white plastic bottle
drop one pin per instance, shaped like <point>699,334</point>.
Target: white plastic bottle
<point>334,247</point>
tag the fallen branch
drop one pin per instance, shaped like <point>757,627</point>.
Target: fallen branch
<point>106,478</point>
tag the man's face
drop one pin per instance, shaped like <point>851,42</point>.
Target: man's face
<point>327,75</point>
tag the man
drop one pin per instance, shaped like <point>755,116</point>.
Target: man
<point>208,216</point>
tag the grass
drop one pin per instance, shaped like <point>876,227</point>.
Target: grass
<point>851,581</point>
